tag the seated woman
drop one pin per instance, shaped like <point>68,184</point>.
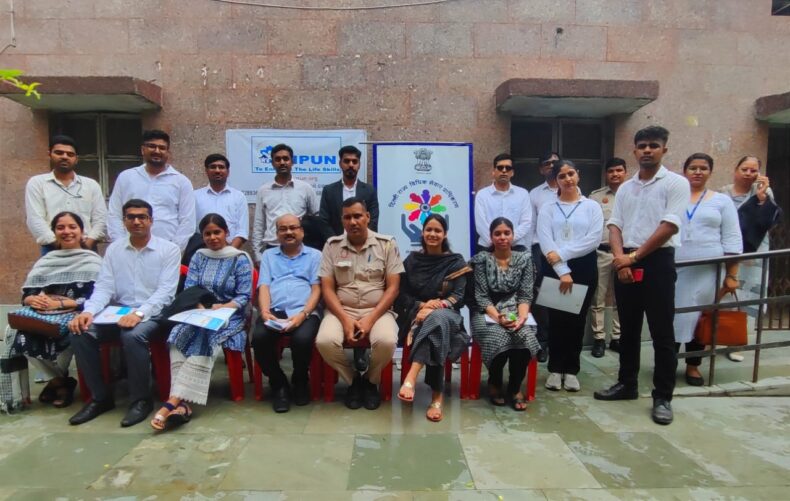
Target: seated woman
<point>54,292</point>
<point>569,231</point>
<point>503,281</point>
<point>431,293</point>
<point>710,229</point>
<point>226,272</point>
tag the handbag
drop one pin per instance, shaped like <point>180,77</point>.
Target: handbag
<point>731,329</point>
<point>20,321</point>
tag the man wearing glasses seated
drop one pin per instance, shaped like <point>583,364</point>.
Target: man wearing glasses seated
<point>167,190</point>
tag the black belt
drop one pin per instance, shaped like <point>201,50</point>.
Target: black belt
<point>605,248</point>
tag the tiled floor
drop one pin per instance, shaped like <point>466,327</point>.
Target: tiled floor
<point>566,446</point>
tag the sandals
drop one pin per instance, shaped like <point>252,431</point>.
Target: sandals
<point>64,395</point>
<point>495,395</point>
<point>409,386</point>
<point>178,418</point>
<point>518,404</point>
<point>49,393</point>
<point>436,417</point>
<point>159,422</point>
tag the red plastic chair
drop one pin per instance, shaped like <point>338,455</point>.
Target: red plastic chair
<point>330,375</point>
<point>316,372</point>
<point>463,389</point>
<point>476,369</point>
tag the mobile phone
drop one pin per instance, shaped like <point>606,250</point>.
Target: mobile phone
<point>357,335</point>
<point>638,274</point>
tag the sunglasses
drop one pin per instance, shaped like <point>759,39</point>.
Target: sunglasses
<point>504,168</point>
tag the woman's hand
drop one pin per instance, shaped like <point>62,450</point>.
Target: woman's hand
<point>433,304</point>
<point>42,302</point>
<point>762,183</point>
<point>422,314</point>
<point>229,304</point>
<point>620,262</point>
<point>566,283</point>
<point>553,258</point>
<point>729,286</point>
<point>506,321</point>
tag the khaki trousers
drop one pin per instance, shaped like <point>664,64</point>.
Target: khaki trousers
<point>605,290</point>
<point>383,339</point>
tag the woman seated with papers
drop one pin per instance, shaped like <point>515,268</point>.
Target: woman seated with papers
<point>569,230</point>
<point>226,273</point>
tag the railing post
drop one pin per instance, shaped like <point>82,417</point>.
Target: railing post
<point>714,326</point>
<point>761,307</point>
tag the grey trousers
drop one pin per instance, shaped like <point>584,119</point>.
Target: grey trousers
<point>135,350</point>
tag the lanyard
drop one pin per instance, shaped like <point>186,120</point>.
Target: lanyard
<point>690,215</point>
<point>568,216</point>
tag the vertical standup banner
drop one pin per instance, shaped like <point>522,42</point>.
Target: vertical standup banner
<point>315,156</point>
<point>414,180</point>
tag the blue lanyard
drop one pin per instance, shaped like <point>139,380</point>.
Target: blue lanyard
<point>568,216</point>
<point>690,215</point>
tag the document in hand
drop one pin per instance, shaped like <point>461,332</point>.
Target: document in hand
<point>551,297</point>
<point>207,319</point>
<point>111,314</point>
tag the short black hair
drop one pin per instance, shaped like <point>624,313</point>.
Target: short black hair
<point>136,203</point>
<point>214,157</point>
<point>614,162</point>
<point>213,218</point>
<point>547,156</point>
<point>280,147</point>
<point>698,156</point>
<point>63,139</point>
<point>349,149</point>
<point>72,215</point>
<point>354,200</point>
<point>653,132</point>
<point>502,156</point>
<point>152,134</point>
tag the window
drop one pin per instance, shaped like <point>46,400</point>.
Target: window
<point>586,142</point>
<point>780,8</point>
<point>108,143</point>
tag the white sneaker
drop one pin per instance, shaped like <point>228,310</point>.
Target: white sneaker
<point>735,356</point>
<point>554,381</point>
<point>571,383</point>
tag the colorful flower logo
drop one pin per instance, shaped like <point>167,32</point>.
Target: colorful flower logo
<point>423,206</point>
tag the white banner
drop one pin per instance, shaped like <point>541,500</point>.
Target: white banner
<point>315,156</point>
<point>416,179</point>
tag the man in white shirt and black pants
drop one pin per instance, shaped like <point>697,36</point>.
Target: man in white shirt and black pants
<point>643,233</point>
<point>140,271</point>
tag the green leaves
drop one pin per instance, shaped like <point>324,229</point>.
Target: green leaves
<point>9,77</point>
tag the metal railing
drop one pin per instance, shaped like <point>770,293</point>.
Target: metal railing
<point>713,350</point>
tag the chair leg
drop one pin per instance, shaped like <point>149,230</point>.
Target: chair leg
<point>532,378</point>
<point>160,359</point>
<point>464,383</point>
<point>385,387</point>
<point>329,380</point>
<point>405,363</point>
<point>475,372</point>
<point>316,375</point>
<point>235,374</point>
<point>258,380</point>
<point>250,362</point>
<point>448,372</point>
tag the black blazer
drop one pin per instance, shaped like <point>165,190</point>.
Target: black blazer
<point>331,210</point>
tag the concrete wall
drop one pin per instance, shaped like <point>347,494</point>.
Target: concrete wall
<point>418,73</point>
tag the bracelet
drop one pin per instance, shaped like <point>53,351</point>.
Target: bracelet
<point>632,256</point>
<point>62,306</point>
<point>732,277</point>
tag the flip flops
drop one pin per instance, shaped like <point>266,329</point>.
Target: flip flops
<point>436,417</point>
<point>159,422</point>
<point>178,418</point>
<point>408,386</point>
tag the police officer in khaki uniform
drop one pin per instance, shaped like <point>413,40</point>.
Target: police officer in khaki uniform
<point>360,277</point>
<point>615,175</point>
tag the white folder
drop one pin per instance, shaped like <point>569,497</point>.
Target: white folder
<point>551,297</point>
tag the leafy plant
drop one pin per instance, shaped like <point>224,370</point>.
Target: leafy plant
<point>9,77</point>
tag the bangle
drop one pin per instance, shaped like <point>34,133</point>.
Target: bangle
<point>62,306</point>
<point>731,277</point>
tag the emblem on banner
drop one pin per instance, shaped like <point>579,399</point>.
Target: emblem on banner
<point>421,206</point>
<point>423,155</point>
<point>265,155</point>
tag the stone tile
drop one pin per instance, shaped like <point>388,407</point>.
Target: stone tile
<point>449,108</point>
<point>236,36</point>
<point>301,107</point>
<point>499,39</point>
<point>372,37</point>
<point>29,39</point>
<point>80,459</point>
<point>370,108</point>
<point>333,72</point>
<point>440,39</point>
<point>303,37</point>
<point>549,413</point>
<point>204,71</point>
<point>266,71</point>
<point>752,49</point>
<point>573,42</point>
<point>416,462</point>
<point>538,11</point>
<point>679,13</point>
<point>328,457</point>
<point>501,494</point>
<point>187,461</point>
<point>699,45</point>
<point>609,12</point>
<point>640,44</point>
<point>735,387</point>
<point>411,73</point>
<point>196,9</point>
<point>665,494</point>
<point>95,36</point>
<point>523,460</point>
<point>471,11</point>
<point>160,34</point>
<point>67,9</point>
<point>251,418</point>
<point>123,9</point>
<point>223,106</point>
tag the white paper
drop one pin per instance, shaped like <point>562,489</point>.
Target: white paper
<point>111,314</point>
<point>551,297</point>
<point>207,319</point>
<point>530,320</point>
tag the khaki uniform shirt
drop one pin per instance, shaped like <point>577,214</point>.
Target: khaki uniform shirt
<point>360,276</point>
<point>605,198</point>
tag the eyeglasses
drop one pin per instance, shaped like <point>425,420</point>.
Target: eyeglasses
<point>504,168</point>
<point>283,229</point>
<point>141,217</point>
<point>156,147</point>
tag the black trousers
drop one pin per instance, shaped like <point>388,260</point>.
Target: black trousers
<point>540,313</point>
<point>265,343</point>
<point>653,297</point>
<point>434,374</point>
<point>692,345</point>
<point>567,329</point>
<point>517,361</point>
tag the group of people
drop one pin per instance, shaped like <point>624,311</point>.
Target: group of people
<point>327,280</point>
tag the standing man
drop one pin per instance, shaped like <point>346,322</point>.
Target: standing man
<point>360,277</point>
<point>61,189</point>
<point>334,194</point>
<point>503,199</point>
<point>166,189</point>
<point>643,233</point>
<point>539,196</point>
<point>283,195</point>
<point>615,175</point>
<point>139,271</point>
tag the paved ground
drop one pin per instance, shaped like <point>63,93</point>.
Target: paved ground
<point>566,446</point>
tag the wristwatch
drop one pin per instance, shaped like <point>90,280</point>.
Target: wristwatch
<point>139,314</point>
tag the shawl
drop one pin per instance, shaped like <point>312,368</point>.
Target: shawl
<point>755,220</point>
<point>65,266</point>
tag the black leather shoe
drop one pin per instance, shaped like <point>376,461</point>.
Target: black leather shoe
<point>91,410</point>
<point>371,396</point>
<point>617,392</point>
<point>137,412</point>
<point>281,401</point>
<point>301,393</point>
<point>543,355</point>
<point>614,345</point>
<point>662,411</point>
<point>353,398</point>
<point>599,348</point>
<point>694,380</point>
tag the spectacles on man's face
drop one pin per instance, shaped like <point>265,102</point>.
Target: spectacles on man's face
<point>293,227</point>
<point>504,168</point>
<point>156,147</point>
<point>141,217</point>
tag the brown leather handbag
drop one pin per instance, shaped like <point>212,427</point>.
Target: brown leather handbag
<point>731,329</point>
<point>32,325</point>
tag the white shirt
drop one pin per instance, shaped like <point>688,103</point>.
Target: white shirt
<point>229,203</point>
<point>539,196</point>
<point>571,229</point>
<point>169,193</point>
<point>274,200</point>
<point>145,279</point>
<point>45,196</point>
<point>349,192</point>
<point>513,204</point>
<point>640,206</point>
